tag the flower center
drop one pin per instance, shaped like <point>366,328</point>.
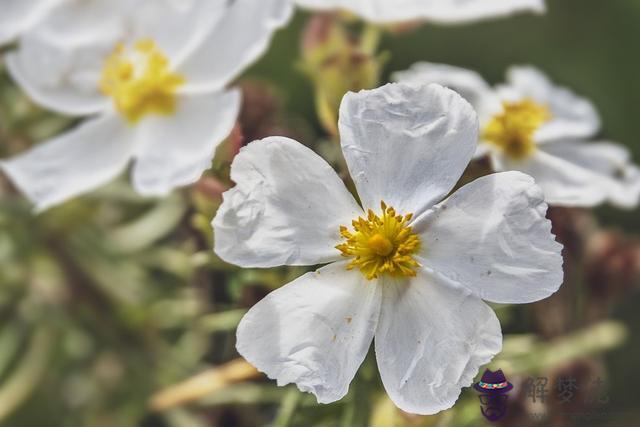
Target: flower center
<point>140,81</point>
<point>382,244</point>
<point>513,129</point>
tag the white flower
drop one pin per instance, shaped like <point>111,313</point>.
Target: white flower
<point>442,11</point>
<point>530,125</point>
<point>152,76</point>
<point>18,16</point>
<point>406,267</point>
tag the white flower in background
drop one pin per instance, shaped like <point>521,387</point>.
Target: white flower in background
<point>442,11</point>
<point>152,76</point>
<point>18,16</point>
<point>530,125</point>
<point>406,267</point>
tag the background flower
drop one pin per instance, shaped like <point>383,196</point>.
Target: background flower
<point>153,72</point>
<point>531,125</point>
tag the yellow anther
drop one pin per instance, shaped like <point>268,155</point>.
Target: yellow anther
<point>513,129</point>
<point>382,244</point>
<point>140,81</point>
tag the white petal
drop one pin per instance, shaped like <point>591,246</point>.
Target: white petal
<point>467,83</point>
<point>618,176</point>
<point>174,150</point>
<point>286,208</point>
<point>443,11</point>
<point>240,38</point>
<point>563,183</point>
<point>73,163</point>
<point>19,16</point>
<point>406,145</point>
<point>572,115</point>
<point>431,341</point>
<point>461,11</point>
<point>70,83</point>
<point>492,238</point>
<point>76,23</point>
<point>176,26</point>
<point>313,332</point>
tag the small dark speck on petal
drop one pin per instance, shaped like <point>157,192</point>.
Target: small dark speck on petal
<point>348,319</point>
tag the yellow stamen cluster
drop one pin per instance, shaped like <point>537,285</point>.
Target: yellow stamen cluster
<point>513,129</point>
<point>140,81</point>
<point>381,244</point>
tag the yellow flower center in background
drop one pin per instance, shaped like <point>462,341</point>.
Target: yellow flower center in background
<point>140,81</point>
<point>381,244</point>
<point>513,129</point>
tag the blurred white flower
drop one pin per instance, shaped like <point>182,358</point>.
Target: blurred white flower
<point>530,125</point>
<point>19,16</point>
<point>151,73</point>
<point>407,268</point>
<point>442,11</point>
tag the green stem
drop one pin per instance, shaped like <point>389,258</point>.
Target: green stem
<point>287,408</point>
<point>26,377</point>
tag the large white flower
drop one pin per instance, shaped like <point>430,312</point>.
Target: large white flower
<point>407,267</point>
<point>151,73</point>
<point>442,11</point>
<point>530,125</point>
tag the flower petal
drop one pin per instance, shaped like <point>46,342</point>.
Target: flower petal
<point>174,150</point>
<point>73,163</point>
<point>70,85</point>
<point>313,332</point>
<point>430,342</point>
<point>492,238</point>
<point>20,15</point>
<point>239,39</point>
<point>406,145</point>
<point>78,22</point>
<point>572,116</point>
<point>467,83</point>
<point>611,163</point>
<point>443,11</point>
<point>177,27</point>
<point>286,208</point>
<point>563,183</point>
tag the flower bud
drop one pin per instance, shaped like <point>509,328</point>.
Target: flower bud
<point>338,62</point>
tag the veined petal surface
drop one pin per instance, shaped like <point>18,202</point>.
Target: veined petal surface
<point>313,332</point>
<point>491,237</point>
<point>406,145</point>
<point>286,208</point>
<point>430,342</point>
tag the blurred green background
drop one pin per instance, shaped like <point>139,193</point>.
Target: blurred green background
<point>110,298</point>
